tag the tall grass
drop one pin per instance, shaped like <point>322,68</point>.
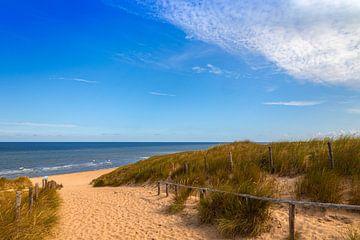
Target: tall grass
<point>250,174</point>
<point>320,185</point>
<point>37,225</point>
<point>18,183</point>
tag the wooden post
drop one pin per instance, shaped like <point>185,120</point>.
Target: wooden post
<point>176,190</point>
<point>42,183</point>
<point>291,221</point>
<point>331,158</point>
<point>167,189</point>
<point>36,191</point>
<point>158,187</point>
<point>202,193</point>
<point>271,160</point>
<point>186,167</point>
<point>231,163</point>
<point>31,199</point>
<point>46,183</point>
<point>17,205</point>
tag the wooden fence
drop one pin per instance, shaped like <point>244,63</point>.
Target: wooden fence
<point>291,203</point>
<point>33,196</point>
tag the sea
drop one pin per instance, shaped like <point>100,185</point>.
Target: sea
<point>34,159</point>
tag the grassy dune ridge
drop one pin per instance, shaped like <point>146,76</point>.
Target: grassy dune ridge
<point>38,224</point>
<point>251,174</point>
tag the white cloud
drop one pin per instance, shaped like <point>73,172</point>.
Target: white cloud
<point>162,94</point>
<point>316,40</point>
<point>295,103</point>
<point>34,124</point>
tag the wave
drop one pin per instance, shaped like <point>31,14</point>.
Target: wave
<point>32,171</point>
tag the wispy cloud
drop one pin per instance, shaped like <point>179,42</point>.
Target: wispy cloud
<point>295,103</point>
<point>162,94</point>
<point>35,124</point>
<point>210,68</point>
<point>81,80</point>
<point>313,40</point>
<point>270,89</point>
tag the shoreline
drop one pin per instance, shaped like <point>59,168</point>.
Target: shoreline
<point>75,178</point>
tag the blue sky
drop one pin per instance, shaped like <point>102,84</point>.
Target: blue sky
<point>184,70</point>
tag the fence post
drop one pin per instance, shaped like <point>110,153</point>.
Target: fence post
<point>186,167</point>
<point>291,221</point>
<point>176,190</point>
<point>158,187</point>
<point>331,158</point>
<point>31,199</point>
<point>231,163</point>
<point>17,205</point>
<point>271,160</point>
<point>46,183</point>
<point>42,183</point>
<point>36,191</point>
<point>202,193</point>
<point>167,189</point>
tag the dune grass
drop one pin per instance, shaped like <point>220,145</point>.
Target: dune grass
<point>250,173</point>
<point>37,225</point>
<point>320,185</point>
<point>18,183</point>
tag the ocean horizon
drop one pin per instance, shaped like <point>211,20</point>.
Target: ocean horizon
<point>35,159</point>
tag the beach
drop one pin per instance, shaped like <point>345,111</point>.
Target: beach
<point>136,212</point>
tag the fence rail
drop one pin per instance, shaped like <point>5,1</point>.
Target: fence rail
<point>292,203</point>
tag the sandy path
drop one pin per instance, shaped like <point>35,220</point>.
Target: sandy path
<point>120,213</point>
<point>137,213</point>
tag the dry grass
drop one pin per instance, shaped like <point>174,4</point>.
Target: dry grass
<point>36,225</point>
<point>18,183</point>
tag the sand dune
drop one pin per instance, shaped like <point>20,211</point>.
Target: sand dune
<point>137,213</point>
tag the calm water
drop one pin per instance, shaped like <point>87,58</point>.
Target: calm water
<point>40,159</point>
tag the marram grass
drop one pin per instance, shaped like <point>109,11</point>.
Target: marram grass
<point>251,174</point>
<point>35,226</point>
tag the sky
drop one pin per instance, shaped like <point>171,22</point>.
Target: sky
<point>162,70</point>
